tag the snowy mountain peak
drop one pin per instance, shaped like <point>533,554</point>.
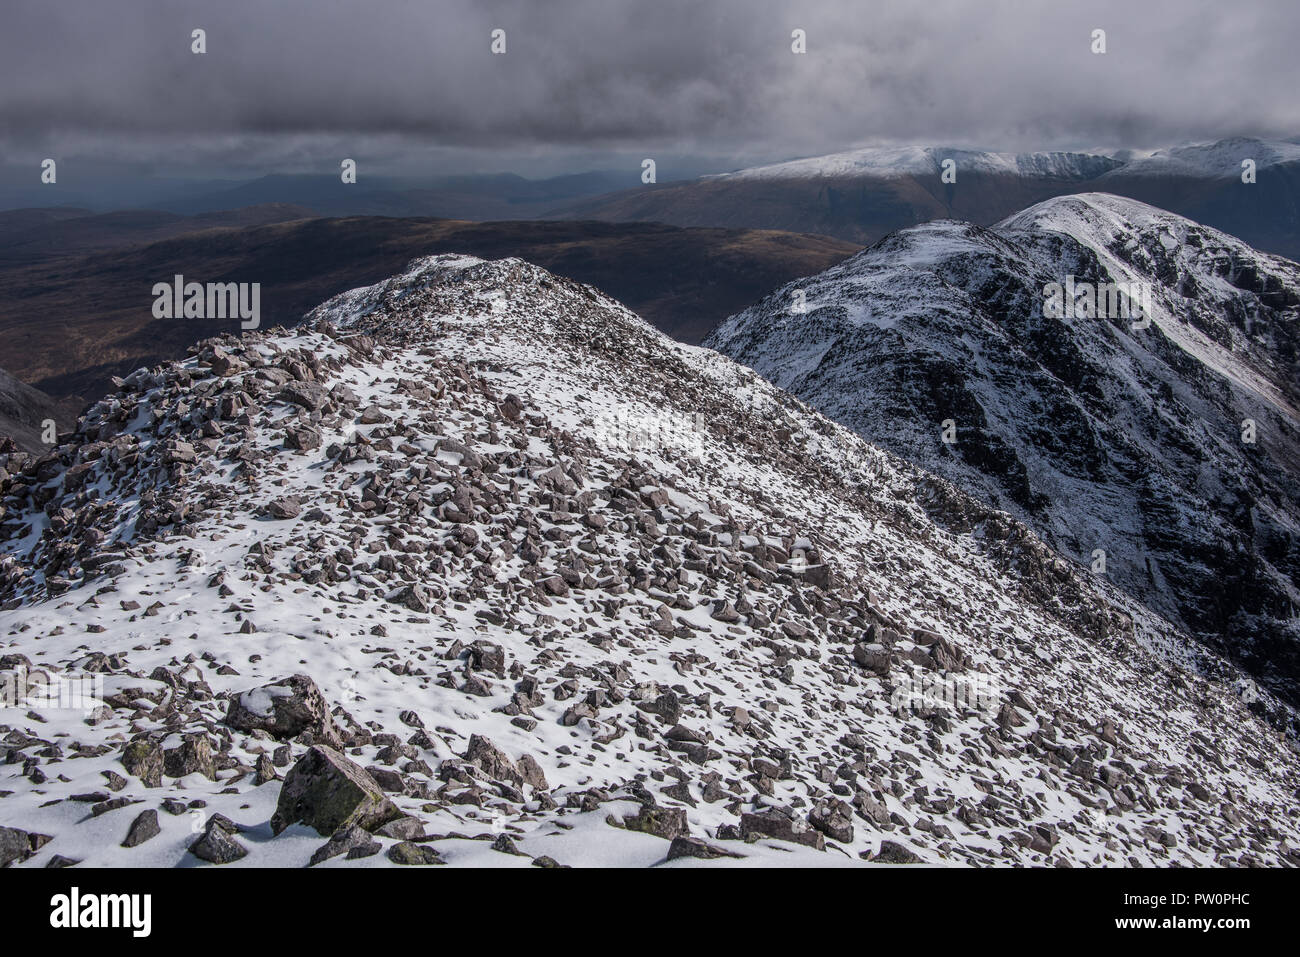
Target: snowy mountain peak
<point>1164,437</point>
<point>1103,218</point>
<point>451,286</point>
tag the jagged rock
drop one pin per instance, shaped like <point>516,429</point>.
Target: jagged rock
<point>833,818</point>
<point>874,657</point>
<point>310,395</point>
<point>284,508</point>
<point>388,779</point>
<point>512,408</point>
<point>696,847</point>
<point>486,656</point>
<point>414,597</point>
<point>408,853</point>
<point>870,809</point>
<point>144,759</point>
<point>288,708</point>
<point>144,827</point>
<point>264,772</point>
<point>403,829</point>
<point>819,576</point>
<point>303,439</point>
<point>506,845</point>
<point>530,772</point>
<point>194,756</point>
<point>345,841</point>
<point>726,612</point>
<point>17,845</point>
<point>779,826</point>
<point>328,792</point>
<point>665,822</point>
<point>495,764</point>
<point>217,845</point>
<point>894,853</point>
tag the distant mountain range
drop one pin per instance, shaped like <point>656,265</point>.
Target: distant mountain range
<point>471,196</point>
<point>865,194</point>
<point>477,197</point>
<point>858,195</point>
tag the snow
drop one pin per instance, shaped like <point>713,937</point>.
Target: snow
<point>1096,220</point>
<point>893,162</point>
<point>775,471</point>
<point>1221,159</point>
<point>965,302</point>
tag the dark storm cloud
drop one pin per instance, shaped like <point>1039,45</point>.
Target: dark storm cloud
<point>291,78</point>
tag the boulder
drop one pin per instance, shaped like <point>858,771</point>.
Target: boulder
<point>408,853</point>
<point>284,508</point>
<point>144,759</point>
<point>217,845</point>
<point>698,848</point>
<point>781,827</point>
<point>894,853</point>
<point>493,762</point>
<point>873,657</point>
<point>344,842</point>
<point>143,828</point>
<point>193,756</point>
<point>665,822</point>
<point>833,818</point>
<point>327,791</point>
<point>16,846</point>
<point>285,709</point>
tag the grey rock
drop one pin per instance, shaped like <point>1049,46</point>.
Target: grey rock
<point>217,846</point>
<point>142,829</point>
<point>698,848</point>
<point>417,854</point>
<point>286,708</point>
<point>780,826</point>
<point>343,842</point>
<point>327,791</point>
<point>665,822</point>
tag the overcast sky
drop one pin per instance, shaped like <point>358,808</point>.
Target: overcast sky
<point>411,85</point>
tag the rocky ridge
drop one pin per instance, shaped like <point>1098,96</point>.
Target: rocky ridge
<point>478,568</point>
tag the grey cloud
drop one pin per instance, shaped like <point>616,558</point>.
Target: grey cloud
<point>293,78</point>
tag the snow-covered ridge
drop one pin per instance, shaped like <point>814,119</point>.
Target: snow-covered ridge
<point>1219,160</point>
<point>1210,160</point>
<point>1103,436</point>
<point>528,637</point>
<point>921,161</point>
